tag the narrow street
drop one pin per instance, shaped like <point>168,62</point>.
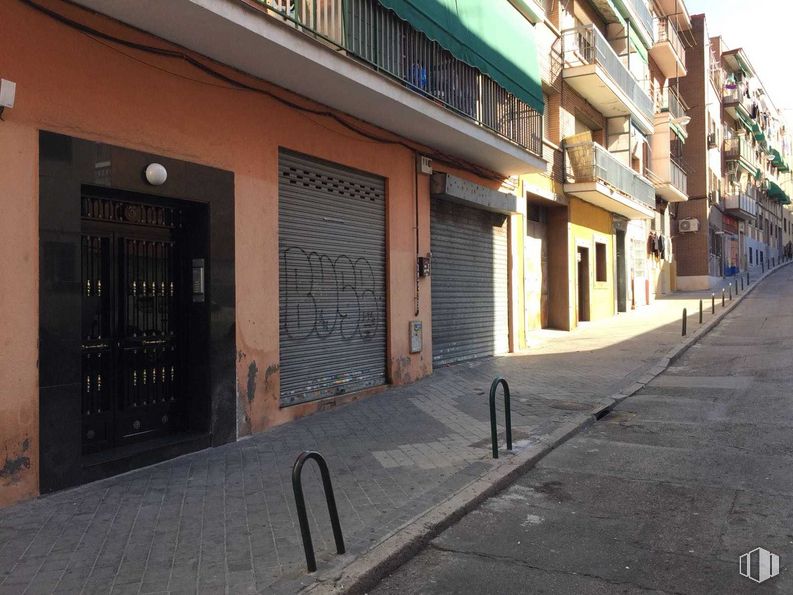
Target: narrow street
<point>662,495</point>
<point>223,519</point>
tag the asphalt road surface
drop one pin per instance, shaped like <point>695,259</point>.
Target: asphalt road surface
<point>663,495</point>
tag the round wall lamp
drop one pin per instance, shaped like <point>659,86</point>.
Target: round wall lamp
<point>156,174</point>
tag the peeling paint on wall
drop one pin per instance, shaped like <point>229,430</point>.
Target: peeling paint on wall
<point>272,369</point>
<point>14,465</point>
<point>253,371</point>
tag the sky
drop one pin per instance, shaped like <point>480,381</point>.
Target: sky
<point>764,29</point>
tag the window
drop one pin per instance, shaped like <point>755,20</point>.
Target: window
<point>536,213</point>
<point>600,262</point>
<point>750,256</point>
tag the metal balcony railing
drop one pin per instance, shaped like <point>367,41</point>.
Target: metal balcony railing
<point>586,45</point>
<point>738,148</point>
<point>643,14</point>
<point>589,162</point>
<point>678,176</point>
<point>669,101</point>
<point>667,32</point>
<point>742,202</point>
<point>738,96</point>
<point>369,32</point>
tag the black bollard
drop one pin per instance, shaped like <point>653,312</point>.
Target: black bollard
<point>700,311</point>
<point>685,320</point>
<point>722,297</point>
<point>712,303</point>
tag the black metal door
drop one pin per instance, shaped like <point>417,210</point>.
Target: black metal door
<point>133,299</point>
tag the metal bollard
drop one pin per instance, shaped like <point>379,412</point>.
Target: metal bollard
<point>712,303</point>
<point>300,505</point>
<point>507,415</point>
<point>722,297</point>
<point>741,282</point>
<point>729,285</point>
<point>748,280</point>
<point>685,320</point>
<point>700,311</point>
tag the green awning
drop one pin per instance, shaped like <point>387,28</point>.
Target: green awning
<point>758,133</point>
<point>490,36</point>
<point>638,45</point>
<point>745,122</point>
<point>774,191</point>
<point>778,161</point>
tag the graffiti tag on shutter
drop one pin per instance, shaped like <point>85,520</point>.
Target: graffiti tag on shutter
<point>324,295</point>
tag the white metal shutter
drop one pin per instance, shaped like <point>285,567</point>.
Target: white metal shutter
<point>469,283</point>
<point>331,244</point>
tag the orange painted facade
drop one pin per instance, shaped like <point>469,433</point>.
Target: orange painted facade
<point>70,83</point>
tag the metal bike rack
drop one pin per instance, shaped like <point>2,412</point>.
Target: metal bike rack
<point>300,504</point>
<point>507,415</point>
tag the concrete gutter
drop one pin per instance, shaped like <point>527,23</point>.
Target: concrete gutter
<point>363,573</point>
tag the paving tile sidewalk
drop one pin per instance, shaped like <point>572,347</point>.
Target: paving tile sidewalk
<point>223,520</point>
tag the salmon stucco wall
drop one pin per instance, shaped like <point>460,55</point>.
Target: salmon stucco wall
<point>19,304</point>
<point>69,83</point>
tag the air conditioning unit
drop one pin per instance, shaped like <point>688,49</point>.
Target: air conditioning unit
<point>711,140</point>
<point>688,225</point>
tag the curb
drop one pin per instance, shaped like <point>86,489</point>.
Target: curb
<point>368,569</point>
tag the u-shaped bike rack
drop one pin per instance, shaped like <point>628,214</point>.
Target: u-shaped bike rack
<point>507,415</point>
<point>300,504</point>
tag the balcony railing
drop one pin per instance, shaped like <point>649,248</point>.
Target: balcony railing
<point>738,96</point>
<point>667,32</point>
<point>586,45</point>
<point>670,101</point>
<point>371,33</point>
<point>738,148</point>
<point>678,176</point>
<point>741,202</point>
<point>589,162</point>
<point>642,12</point>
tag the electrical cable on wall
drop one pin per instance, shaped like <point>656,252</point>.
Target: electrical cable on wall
<point>206,69</point>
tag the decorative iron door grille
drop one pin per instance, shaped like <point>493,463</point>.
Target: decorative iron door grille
<point>133,298</point>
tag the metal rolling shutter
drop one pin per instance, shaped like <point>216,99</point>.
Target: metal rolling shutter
<point>469,283</point>
<point>331,246</point>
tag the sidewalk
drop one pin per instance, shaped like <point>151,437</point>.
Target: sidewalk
<point>223,520</point>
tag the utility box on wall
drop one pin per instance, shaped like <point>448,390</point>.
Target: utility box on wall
<point>416,341</point>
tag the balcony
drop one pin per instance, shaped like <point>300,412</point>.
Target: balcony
<point>594,70</point>
<point>358,57</point>
<point>639,13</point>
<point>533,10</point>
<point>670,180</point>
<point>668,52</point>
<point>676,10</point>
<point>737,103</point>
<point>741,205</point>
<point>671,112</point>
<point>596,176</point>
<point>740,151</point>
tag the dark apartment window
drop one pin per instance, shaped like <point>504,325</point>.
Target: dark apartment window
<point>600,262</point>
<point>750,256</point>
<point>536,213</point>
